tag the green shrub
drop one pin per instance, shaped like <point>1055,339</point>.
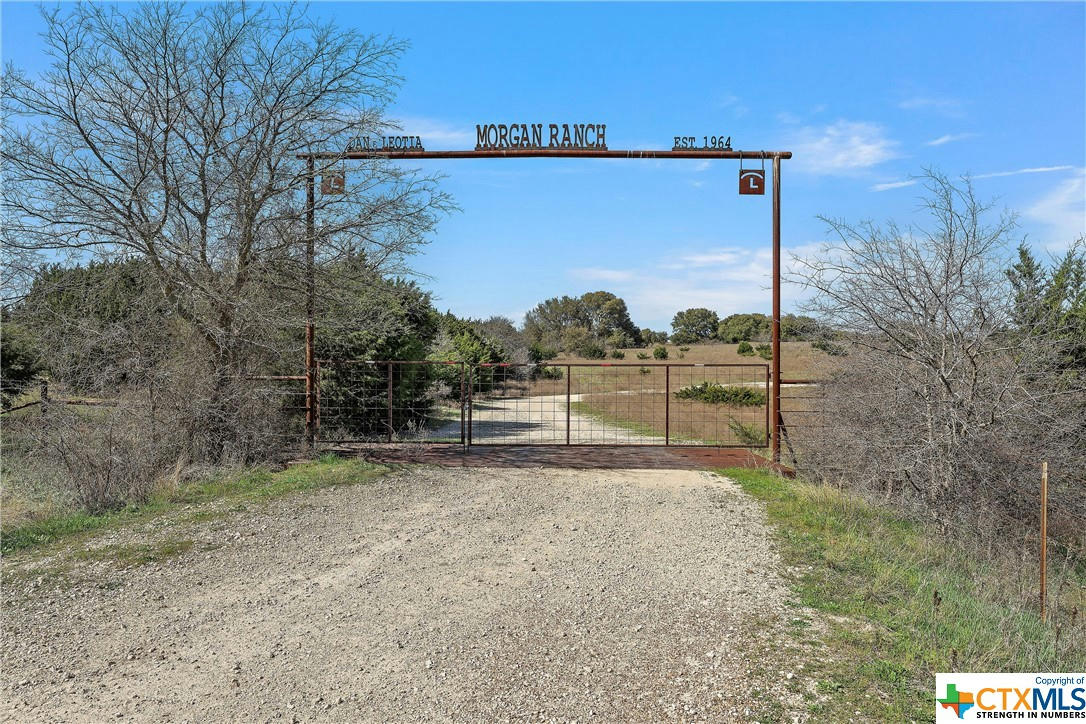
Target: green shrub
<point>538,353</point>
<point>645,370</point>
<point>19,362</point>
<point>620,338</point>
<point>548,373</point>
<point>834,350</point>
<point>618,354</point>
<point>659,352</point>
<point>747,434</point>
<point>591,350</point>
<point>718,394</point>
<point>765,351</point>
<point>684,349</point>
<point>642,355</point>
<point>745,349</point>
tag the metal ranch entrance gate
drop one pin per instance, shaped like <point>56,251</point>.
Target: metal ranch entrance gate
<point>591,404</point>
<point>661,409</point>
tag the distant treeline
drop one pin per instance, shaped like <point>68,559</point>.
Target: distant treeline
<point>593,323</point>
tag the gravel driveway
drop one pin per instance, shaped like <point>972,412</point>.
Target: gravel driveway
<point>475,594</point>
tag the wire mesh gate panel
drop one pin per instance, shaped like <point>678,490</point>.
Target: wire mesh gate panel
<point>723,405</point>
<point>391,401</point>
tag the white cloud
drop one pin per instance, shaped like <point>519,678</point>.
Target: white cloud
<point>944,105</point>
<point>843,147</point>
<point>1063,211</point>
<point>786,118</point>
<point>727,280</point>
<point>1039,169</point>
<point>733,102</point>
<point>950,138</point>
<point>893,185</point>
<point>721,256</point>
<point>437,134</point>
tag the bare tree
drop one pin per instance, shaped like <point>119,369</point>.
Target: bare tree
<point>173,134</point>
<point>943,398</point>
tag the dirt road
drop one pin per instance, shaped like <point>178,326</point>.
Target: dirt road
<point>432,594</point>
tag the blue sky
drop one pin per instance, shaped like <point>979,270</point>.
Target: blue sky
<point>865,95</point>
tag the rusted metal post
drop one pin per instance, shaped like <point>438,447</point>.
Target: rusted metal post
<point>310,308</point>
<point>1044,538</point>
<point>667,405</point>
<point>390,402</point>
<point>569,397</point>
<point>775,412</point>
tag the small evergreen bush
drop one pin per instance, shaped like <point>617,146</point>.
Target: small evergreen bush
<point>718,394</point>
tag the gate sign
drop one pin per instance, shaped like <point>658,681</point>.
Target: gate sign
<point>333,182</point>
<point>751,181</point>
<point>531,135</point>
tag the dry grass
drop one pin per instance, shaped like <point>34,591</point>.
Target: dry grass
<point>798,359</point>
<point>691,421</point>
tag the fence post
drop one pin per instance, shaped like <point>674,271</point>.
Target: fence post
<point>390,402</point>
<point>471,388</point>
<point>569,401</point>
<point>462,401</point>
<point>1044,537</point>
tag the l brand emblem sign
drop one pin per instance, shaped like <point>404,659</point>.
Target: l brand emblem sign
<point>751,182</point>
<point>333,182</point>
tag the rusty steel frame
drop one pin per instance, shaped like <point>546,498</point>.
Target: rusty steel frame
<point>774,403</point>
<point>702,153</point>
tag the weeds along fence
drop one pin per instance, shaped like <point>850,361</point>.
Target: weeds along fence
<point>825,437</point>
<point>803,419</point>
<point>102,453</point>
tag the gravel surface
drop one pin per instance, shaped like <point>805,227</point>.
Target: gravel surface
<point>474,594</point>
